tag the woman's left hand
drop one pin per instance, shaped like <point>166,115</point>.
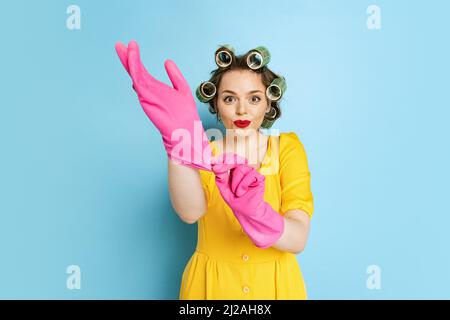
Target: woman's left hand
<point>242,188</point>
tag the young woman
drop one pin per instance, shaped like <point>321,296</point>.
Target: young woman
<point>253,216</point>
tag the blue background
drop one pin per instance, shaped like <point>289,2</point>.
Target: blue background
<point>83,172</point>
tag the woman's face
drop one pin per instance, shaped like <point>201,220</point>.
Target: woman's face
<point>242,96</point>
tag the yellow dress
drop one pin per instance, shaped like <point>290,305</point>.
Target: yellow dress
<point>226,264</point>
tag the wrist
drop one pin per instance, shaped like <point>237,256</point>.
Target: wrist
<point>264,228</point>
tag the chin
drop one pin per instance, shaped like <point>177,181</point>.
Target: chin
<point>244,132</point>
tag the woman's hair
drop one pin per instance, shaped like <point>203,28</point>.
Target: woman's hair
<point>267,76</point>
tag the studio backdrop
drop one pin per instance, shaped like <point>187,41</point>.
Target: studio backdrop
<point>85,211</point>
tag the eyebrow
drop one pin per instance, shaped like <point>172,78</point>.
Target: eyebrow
<point>250,92</point>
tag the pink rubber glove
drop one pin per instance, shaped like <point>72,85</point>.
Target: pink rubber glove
<point>242,188</point>
<point>172,110</point>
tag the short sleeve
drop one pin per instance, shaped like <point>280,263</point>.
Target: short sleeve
<point>295,176</point>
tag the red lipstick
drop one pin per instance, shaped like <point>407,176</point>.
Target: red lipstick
<point>242,123</point>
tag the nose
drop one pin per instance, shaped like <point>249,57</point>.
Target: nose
<point>241,108</point>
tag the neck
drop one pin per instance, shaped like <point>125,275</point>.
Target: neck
<point>248,145</point>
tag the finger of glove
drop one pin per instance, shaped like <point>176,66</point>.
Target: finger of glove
<point>176,77</point>
<point>237,175</point>
<point>222,182</point>
<point>141,77</point>
<point>251,180</point>
<point>122,52</point>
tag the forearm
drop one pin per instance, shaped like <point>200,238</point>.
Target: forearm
<point>296,231</point>
<point>186,192</point>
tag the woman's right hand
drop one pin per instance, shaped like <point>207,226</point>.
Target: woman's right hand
<point>172,110</point>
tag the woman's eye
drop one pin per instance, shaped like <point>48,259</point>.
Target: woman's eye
<point>256,99</point>
<point>228,99</point>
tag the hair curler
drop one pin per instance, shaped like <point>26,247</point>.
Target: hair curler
<point>271,117</point>
<point>276,89</point>
<point>206,91</point>
<point>224,55</point>
<point>258,58</point>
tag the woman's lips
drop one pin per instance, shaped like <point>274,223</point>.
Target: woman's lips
<point>242,123</point>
